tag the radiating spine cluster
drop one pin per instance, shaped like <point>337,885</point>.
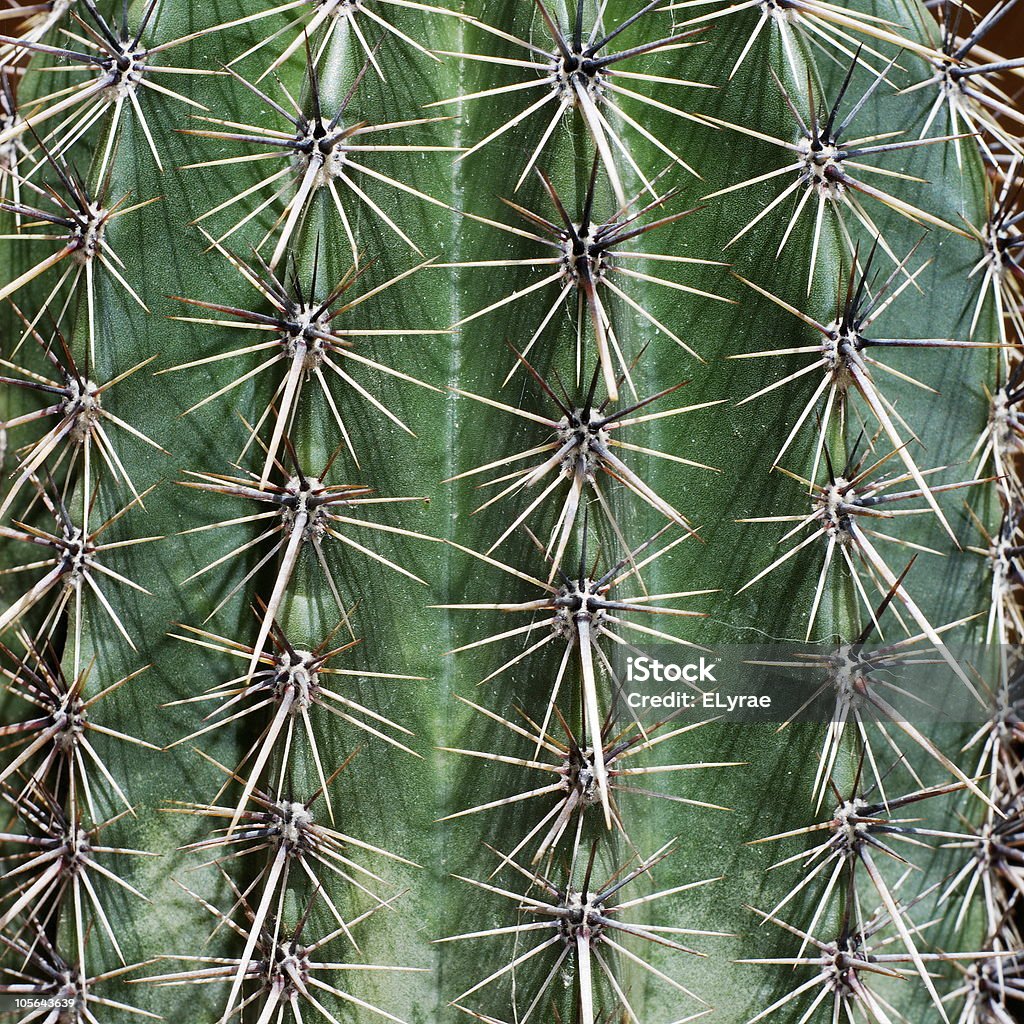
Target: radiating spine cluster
<point>294,351</point>
<point>290,691</point>
<point>992,873</point>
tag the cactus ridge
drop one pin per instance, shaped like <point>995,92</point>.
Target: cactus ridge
<point>381,380</point>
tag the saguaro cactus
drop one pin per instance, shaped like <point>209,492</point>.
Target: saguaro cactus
<point>383,382</point>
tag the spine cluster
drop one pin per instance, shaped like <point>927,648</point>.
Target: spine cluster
<point>586,308</point>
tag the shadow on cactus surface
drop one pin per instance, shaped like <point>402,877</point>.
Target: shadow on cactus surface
<point>382,383</point>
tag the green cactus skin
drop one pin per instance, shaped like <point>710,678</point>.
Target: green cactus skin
<point>423,396</point>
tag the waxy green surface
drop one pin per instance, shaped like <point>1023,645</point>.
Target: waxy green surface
<point>387,797</point>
